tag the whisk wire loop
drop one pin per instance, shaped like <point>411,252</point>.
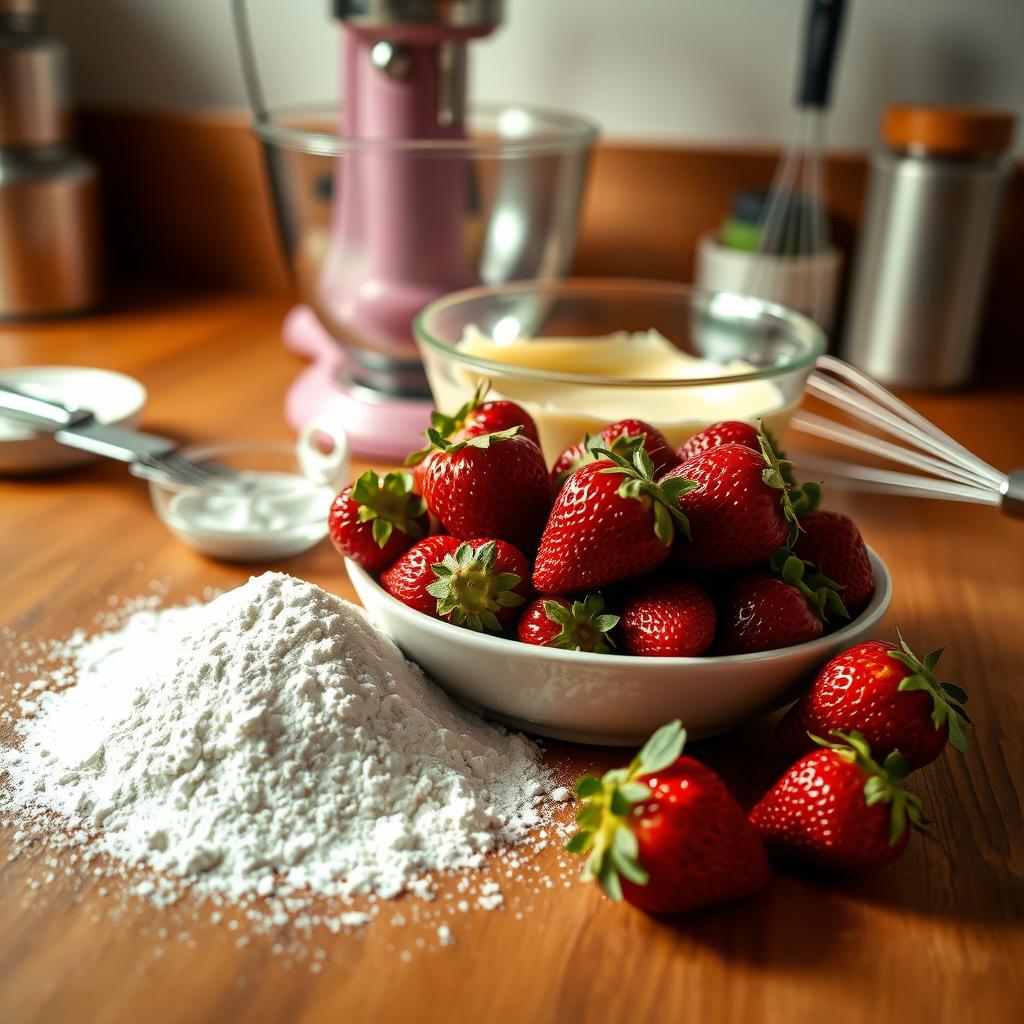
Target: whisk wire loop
<point>946,469</point>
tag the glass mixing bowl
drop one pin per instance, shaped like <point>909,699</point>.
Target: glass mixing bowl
<point>750,358</point>
<point>374,228</point>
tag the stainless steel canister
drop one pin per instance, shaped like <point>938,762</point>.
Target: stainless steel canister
<point>49,224</point>
<point>933,204</point>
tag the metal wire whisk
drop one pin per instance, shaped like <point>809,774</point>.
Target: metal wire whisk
<point>793,228</point>
<point>947,470</point>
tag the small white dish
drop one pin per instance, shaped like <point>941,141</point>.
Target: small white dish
<point>116,399</point>
<point>613,700</point>
<point>276,507</point>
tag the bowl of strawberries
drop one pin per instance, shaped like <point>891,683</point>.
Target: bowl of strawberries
<point>628,583</point>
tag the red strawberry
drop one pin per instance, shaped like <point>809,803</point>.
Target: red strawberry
<point>373,521</point>
<point>727,432</point>
<point>579,626</point>
<point>668,619</point>
<point>493,485</point>
<point>885,693</point>
<point>478,417</point>
<point>408,578</point>
<point>839,809</point>
<point>610,522</point>
<point>618,437</point>
<point>478,584</point>
<point>491,417</point>
<point>739,512</point>
<point>764,613</point>
<point>790,606</point>
<point>666,834</point>
<point>832,542</point>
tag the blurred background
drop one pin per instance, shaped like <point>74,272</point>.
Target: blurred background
<point>693,98</point>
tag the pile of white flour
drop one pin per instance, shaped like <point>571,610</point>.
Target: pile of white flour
<point>271,741</point>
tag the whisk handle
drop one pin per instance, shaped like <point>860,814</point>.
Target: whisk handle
<point>821,40</point>
<point>1012,503</point>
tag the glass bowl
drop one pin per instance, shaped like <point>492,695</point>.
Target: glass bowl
<point>276,507</point>
<point>374,228</point>
<point>723,356</point>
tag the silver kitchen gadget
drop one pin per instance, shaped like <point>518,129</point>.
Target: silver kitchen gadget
<point>945,468</point>
<point>116,399</point>
<point>793,262</point>
<point>49,225</point>
<point>400,193</point>
<point>933,207</point>
<point>78,428</point>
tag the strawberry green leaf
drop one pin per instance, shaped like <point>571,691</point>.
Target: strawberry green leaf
<point>957,694</point>
<point>948,699</point>
<point>583,625</point>
<point>580,843</point>
<point>959,737</point>
<point>821,593</point>
<point>605,825</point>
<point>619,804</point>
<point>446,426</point>
<point>805,498</point>
<point>775,476</point>
<point>635,792</point>
<point>624,853</point>
<point>389,504</point>
<point>381,531</point>
<point>640,485</point>
<point>883,783</point>
<point>468,590</point>
<point>662,749</point>
<point>587,785</point>
<point>609,879</point>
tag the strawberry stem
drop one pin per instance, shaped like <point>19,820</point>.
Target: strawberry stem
<point>948,699</point>
<point>640,485</point>
<point>446,426</point>
<point>884,782</point>
<point>821,593</point>
<point>584,626</point>
<point>604,831</point>
<point>469,592</point>
<point>624,444</point>
<point>389,504</point>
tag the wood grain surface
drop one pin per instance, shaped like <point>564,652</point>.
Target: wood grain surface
<point>937,937</point>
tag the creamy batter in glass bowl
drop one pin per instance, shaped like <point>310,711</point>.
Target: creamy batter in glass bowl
<point>579,354</point>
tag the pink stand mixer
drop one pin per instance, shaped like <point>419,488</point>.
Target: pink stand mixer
<point>397,196</point>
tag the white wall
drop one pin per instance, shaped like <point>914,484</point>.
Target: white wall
<point>687,71</point>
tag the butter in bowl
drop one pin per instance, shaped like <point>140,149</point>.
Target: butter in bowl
<point>580,354</point>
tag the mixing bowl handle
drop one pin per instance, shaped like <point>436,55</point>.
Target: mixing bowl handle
<point>322,451</point>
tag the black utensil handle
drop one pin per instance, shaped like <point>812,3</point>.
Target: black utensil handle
<point>821,40</point>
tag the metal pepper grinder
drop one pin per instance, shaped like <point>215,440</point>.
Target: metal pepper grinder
<point>49,223</point>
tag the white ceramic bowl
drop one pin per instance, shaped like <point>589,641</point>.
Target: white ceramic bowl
<point>615,700</point>
<point>115,398</point>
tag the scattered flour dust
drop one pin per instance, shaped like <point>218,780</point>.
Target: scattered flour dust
<point>270,745</point>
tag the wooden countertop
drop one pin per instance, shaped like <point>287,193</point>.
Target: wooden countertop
<point>938,936</point>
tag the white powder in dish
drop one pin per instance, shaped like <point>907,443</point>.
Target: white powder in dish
<point>272,741</point>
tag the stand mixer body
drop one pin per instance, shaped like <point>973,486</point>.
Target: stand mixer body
<point>405,215</point>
